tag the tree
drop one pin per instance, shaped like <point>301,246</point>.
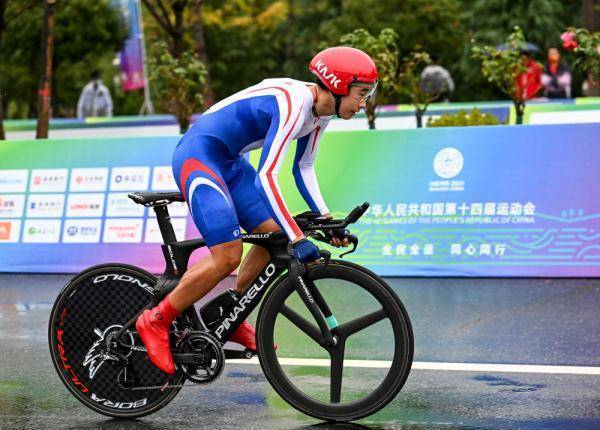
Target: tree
<point>9,12</point>
<point>246,43</point>
<point>87,36</point>
<point>179,83</point>
<point>590,11</point>
<point>586,45</point>
<point>183,23</point>
<point>490,22</point>
<point>502,68</point>
<point>383,49</point>
<point>45,87</point>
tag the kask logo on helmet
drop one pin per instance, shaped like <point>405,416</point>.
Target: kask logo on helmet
<point>331,77</point>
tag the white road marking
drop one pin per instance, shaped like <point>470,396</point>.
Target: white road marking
<point>421,365</point>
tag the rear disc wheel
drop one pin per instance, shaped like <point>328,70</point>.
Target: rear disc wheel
<point>103,375</point>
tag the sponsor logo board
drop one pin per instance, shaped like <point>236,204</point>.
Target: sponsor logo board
<point>123,230</point>
<point>89,179</point>
<point>176,209</point>
<point>41,231</point>
<point>153,231</point>
<point>13,181</point>
<point>45,205</point>
<point>11,205</point>
<point>129,178</point>
<point>118,205</point>
<point>48,180</point>
<point>85,205</point>
<point>162,179</point>
<point>82,231</point>
<point>9,230</point>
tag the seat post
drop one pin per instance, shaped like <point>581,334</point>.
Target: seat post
<point>164,223</point>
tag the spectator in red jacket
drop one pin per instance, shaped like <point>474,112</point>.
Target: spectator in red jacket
<point>529,82</point>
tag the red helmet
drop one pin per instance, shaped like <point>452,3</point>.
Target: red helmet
<point>339,67</point>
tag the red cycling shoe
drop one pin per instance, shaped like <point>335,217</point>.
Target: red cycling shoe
<point>153,327</point>
<point>246,336</point>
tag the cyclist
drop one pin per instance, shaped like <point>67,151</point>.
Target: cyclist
<point>225,193</point>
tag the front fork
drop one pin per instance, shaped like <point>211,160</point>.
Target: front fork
<point>314,301</point>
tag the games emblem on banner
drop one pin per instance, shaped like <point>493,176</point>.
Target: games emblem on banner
<point>89,179</point>
<point>13,181</point>
<point>129,178</point>
<point>48,180</point>
<point>11,205</point>
<point>447,164</point>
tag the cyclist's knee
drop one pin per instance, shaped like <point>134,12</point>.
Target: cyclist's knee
<point>267,226</point>
<point>227,256</point>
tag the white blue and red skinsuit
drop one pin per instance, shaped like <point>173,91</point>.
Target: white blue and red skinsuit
<point>224,192</point>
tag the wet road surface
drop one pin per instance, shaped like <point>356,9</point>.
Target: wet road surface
<point>486,321</point>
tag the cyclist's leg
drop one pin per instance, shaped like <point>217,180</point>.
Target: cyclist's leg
<point>198,170</point>
<point>213,212</point>
<point>256,259</point>
<point>253,216</point>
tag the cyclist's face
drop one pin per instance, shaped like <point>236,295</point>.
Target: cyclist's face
<point>355,100</point>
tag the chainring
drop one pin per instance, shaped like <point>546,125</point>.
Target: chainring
<point>210,354</point>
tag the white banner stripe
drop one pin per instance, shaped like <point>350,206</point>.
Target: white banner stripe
<point>421,365</point>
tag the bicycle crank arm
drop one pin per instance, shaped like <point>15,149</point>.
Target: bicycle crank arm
<point>196,359</point>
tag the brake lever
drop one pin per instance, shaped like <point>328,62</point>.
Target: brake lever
<point>354,241</point>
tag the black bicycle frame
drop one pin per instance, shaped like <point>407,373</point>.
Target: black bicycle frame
<point>177,255</point>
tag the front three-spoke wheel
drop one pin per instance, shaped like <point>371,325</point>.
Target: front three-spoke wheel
<point>372,356</point>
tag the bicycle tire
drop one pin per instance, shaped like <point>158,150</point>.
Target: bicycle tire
<point>393,382</point>
<point>98,300</point>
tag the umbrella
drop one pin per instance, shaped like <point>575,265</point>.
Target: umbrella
<point>526,47</point>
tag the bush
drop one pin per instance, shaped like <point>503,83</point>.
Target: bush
<point>463,119</point>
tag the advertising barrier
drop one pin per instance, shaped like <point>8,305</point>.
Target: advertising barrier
<point>472,201</point>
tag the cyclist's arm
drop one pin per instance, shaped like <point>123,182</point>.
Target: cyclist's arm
<point>283,128</point>
<point>304,170</point>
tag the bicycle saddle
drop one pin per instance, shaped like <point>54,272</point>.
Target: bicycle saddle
<point>156,199</point>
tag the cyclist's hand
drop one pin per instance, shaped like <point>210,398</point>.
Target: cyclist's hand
<point>340,237</point>
<point>306,251</point>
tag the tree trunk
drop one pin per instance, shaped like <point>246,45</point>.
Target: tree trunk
<point>209,95</point>
<point>520,110</point>
<point>184,123</point>
<point>2,135</point>
<point>177,35</point>
<point>419,115</point>
<point>370,111</point>
<point>45,88</point>
<point>2,25</point>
